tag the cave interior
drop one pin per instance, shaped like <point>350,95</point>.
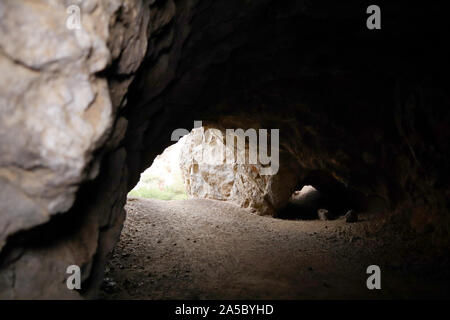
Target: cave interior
<point>363,118</point>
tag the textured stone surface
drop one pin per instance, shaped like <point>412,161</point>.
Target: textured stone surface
<point>58,110</point>
<point>211,171</point>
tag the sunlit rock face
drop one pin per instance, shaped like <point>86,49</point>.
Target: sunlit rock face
<point>215,169</point>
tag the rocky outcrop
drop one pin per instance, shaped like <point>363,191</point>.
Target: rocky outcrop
<point>59,95</point>
<point>213,169</point>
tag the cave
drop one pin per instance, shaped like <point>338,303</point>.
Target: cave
<point>361,115</point>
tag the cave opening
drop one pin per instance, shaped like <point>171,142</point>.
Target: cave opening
<point>303,204</point>
<point>163,180</point>
<point>362,117</point>
<point>252,230</point>
<point>184,248</point>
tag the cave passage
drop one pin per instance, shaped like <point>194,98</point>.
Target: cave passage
<point>359,114</point>
<point>211,246</point>
<point>163,179</point>
<point>303,204</point>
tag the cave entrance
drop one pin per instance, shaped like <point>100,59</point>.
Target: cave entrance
<point>211,247</point>
<point>218,237</point>
<point>163,179</point>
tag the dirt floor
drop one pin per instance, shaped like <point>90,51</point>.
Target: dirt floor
<point>206,249</point>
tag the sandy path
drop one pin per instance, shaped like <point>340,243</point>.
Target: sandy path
<point>205,249</point>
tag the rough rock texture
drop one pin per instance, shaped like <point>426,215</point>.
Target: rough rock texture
<point>211,170</point>
<point>84,112</point>
<point>57,124</point>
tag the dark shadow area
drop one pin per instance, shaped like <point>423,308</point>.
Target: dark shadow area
<point>303,205</point>
<point>320,196</point>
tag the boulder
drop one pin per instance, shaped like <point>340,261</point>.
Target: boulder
<point>58,126</point>
<point>207,173</point>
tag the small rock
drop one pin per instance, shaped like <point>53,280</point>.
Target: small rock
<point>108,285</point>
<point>323,214</point>
<point>351,216</point>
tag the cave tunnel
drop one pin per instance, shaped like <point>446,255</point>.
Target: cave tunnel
<point>363,122</point>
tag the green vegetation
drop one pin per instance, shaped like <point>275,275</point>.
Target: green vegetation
<point>150,186</point>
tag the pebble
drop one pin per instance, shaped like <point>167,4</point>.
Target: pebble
<point>108,285</point>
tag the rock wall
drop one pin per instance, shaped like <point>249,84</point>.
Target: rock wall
<point>212,169</point>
